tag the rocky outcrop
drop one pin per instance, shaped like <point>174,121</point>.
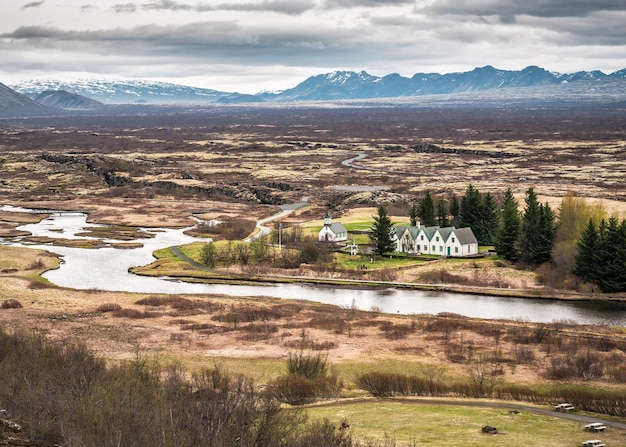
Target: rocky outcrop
<point>267,193</point>
<point>431,148</point>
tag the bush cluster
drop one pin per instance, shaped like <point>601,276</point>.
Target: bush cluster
<point>64,395</point>
<point>308,378</point>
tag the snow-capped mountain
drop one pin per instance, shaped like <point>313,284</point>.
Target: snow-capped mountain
<point>337,85</point>
<point>352,85</point>
<point>117,91</point>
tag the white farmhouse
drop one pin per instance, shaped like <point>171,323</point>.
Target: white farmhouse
<point>332,232</point>
<point>448,241</point>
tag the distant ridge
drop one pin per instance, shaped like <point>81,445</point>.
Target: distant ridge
<point>337,85</point>
<point>13,103</point>
<point>66,100</point>
<point>351,85</point>
<point>114,91</point>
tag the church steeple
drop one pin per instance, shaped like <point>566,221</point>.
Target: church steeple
<point>327,218</point>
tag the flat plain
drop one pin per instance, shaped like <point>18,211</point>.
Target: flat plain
<point>157,169</point>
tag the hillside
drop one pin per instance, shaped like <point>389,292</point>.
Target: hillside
<point>13,103</point>
<point>66,100</point>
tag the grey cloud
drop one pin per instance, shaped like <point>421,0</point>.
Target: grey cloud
<point>32,5</point>
<point>289,7</point>
<point>365,3</point>
<point>220,42</point>
<point>159,5</point>
<point>125,7</point>
<point>279,6</point>
<point>507,9</point>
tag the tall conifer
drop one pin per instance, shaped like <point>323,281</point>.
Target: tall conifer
<point>381,233</point>
<point>509,227</point>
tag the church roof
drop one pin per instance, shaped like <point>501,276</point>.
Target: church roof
<point>337,227</point>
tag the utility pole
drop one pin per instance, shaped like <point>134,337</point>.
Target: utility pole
<point>280,235</point>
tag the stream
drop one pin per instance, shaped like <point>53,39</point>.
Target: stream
<point>107,269</point>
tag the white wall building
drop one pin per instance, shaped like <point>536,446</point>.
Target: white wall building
<point>448,241</point>
<point>332,232</point>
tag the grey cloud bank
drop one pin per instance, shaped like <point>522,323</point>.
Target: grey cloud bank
<point>250,45</point>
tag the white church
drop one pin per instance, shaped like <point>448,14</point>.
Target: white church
<point>332,231</point>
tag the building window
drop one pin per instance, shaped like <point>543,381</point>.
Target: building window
<point>433,248</point>
<point>456,249</point>
<point>440,248</point>
<point>422,237</point>
<point>453,240</point>
<point>437,239</point>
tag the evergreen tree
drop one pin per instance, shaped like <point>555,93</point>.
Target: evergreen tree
<point>381,233</point>
<point>543,236</point>
<point>413,214</point>
<point>427,210</point>
<point>442,213</point>
<point>601,255</point>
<point>490,218</point>
<point>585,263</point>
<point>509,227</point>
<point>472,214</point>
<point>455,211</point>
<point>611,259</point>
<point>528,227</point>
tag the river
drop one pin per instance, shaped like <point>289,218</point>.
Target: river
<point>107,269</point>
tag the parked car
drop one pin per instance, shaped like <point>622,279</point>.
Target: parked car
<point>564,407</point>
<point>593,443</point>
<point>595,426</point>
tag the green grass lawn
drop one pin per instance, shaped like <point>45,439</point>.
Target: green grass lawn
<point>355,262</point>
<point>457,426</point>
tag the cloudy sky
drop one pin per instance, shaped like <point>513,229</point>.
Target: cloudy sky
<point>254,45</point>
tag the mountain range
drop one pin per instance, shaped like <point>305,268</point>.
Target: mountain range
<point>338,85</point>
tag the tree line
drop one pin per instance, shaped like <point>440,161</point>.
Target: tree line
<point>577,245</point>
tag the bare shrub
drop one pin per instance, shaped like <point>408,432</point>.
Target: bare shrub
<point>262,331</point>
<point>11,304</point>
<point>307,365</point>
<point>35,284</point>
<point>585,365</point>
<point>135,314</point>
<point>387,275</point>
<point>177,337</point>
<point>523,354</point>
<point>310,345</point>
<point>36,265</point>
<point>180,303</point>
<point>157,300</point>
<point>248,314</point>
<point>396,331</point>
<point>109,307</point>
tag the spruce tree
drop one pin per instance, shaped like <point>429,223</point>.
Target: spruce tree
<point>508,230</point>
<point>455,211</point>
<point>490,218</point>
<point>528,227</point>
<point>472,214</point>
<point>413,214</point>
<point>442,213</point>
<point>381,236</point>
<point>543,236</point>
<point>427,210</point>
<point>585,261</point>
<point>611,261</point>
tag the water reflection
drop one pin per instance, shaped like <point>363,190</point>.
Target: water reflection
<point>107,269</point>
